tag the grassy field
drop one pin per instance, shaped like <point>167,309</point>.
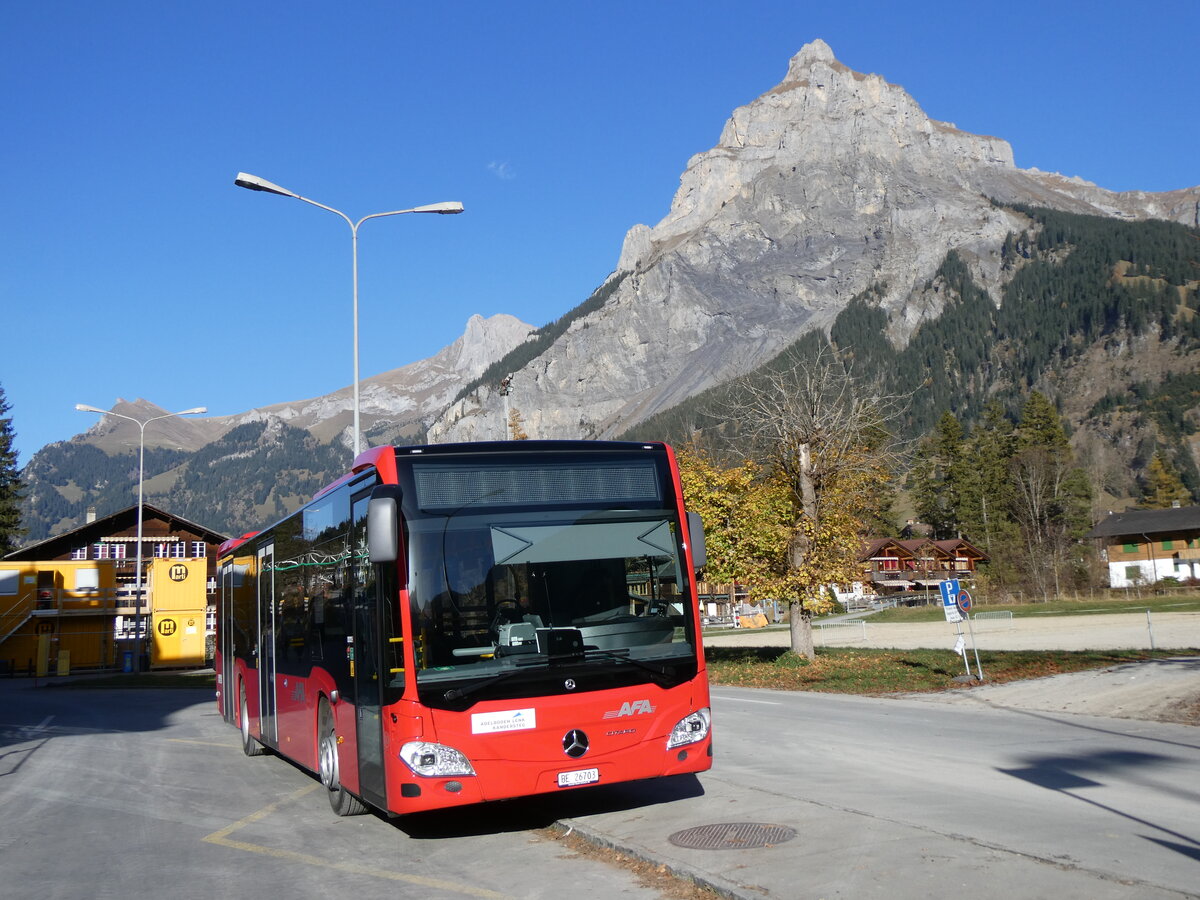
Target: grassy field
<point>862,671</point>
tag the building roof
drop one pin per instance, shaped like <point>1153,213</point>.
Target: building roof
<point>1140,522</point>
<point>910,548</point>
<point>114,523</point>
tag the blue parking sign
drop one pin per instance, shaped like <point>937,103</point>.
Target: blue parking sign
<point>949,589</point>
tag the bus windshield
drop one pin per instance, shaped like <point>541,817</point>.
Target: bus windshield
<point>508,583</point>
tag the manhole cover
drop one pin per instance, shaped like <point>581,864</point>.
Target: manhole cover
<point>732,836</point>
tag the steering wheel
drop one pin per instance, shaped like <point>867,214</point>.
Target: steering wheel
<point>507,611</point>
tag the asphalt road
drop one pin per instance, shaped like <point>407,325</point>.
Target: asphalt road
<point>146,793</point>
<point>138,794</point>
<point>908,798</point>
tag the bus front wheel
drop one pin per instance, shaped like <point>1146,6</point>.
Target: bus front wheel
<point>341,801</point>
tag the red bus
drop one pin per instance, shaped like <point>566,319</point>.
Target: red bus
<point>459,623</point>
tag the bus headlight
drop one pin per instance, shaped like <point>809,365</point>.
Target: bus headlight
<point>434,760</point>
<point>690,729</point>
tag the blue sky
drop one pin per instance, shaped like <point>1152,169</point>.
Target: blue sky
<point>131,266</point>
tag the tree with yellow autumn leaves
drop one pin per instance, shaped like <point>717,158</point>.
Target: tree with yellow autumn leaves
<point>818,458</point>
<point>747,518</point>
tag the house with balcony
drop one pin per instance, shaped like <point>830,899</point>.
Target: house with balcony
<point>1142,546</point>
<point>77,591</point>
<point>896,565</point>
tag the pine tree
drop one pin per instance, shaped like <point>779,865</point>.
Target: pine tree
<point>1041,426</point>
<point>10,483</point>
<point>1051,497</point>
<point>1164,487</point>
<point>937,475</point>
<point>986,494</point>
<point>516,423</point>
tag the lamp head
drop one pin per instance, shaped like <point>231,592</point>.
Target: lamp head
<point>254,183</point>
<point>450,208</point>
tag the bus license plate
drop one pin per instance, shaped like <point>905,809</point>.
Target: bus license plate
<point>580,776</point>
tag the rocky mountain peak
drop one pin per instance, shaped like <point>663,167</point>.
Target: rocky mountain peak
<point>115,434</point>
<point>823,123</point>
<point>812,53</point>
<point>829,184</point>
<point>485,341</point>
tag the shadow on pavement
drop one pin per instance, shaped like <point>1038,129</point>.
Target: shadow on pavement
<point>526,813</point>
<point>1065,774</point>
<point>30,715</point>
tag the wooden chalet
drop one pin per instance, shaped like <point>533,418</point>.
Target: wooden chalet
<point>894,565</point>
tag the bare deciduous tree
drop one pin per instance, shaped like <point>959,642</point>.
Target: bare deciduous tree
<point>827,433</point>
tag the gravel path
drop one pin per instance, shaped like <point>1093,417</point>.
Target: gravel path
<point>1159,690</point>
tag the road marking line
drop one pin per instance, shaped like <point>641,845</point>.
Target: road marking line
<point>747,700</point>
<point>221,839</point>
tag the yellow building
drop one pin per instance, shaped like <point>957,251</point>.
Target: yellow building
<point>178,612</point>
<point>71,602</point>
<point>51,611</point>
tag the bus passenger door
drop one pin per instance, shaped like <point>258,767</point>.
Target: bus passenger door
<point>266,643</point>
<point>225,636</point>
<point>367,675</point>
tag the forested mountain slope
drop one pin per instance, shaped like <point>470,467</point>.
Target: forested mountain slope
<point>1099,314</point>
<point>249,477</point>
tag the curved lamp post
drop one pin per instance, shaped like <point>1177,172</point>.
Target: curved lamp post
<point>254,183</point>
<point>141,424</point>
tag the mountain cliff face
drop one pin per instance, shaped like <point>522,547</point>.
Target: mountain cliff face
<point>828,185</point>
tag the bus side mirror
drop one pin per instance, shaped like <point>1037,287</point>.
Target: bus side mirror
<point>696,539</point>
<point>383,524</point>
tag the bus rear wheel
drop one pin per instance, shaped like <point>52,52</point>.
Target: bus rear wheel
<point>250,746</point>
<point>341,801</point>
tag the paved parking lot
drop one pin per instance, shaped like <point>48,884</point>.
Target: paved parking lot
<point>146,793</point>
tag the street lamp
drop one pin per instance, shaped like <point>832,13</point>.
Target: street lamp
<point>505,390</point>
<point>141,424</point>
<point>254,183</point>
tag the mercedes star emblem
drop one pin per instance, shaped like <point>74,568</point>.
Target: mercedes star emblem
<point>575,743</point>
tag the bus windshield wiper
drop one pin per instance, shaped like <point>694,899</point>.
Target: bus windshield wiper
<point>623,656</point>
<point>523,663</point>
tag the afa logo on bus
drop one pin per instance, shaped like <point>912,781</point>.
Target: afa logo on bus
<point>630,708</point>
